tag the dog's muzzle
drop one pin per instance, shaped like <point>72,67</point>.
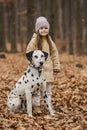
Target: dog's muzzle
<point>41,63</point>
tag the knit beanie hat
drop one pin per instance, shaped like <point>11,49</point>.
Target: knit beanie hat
<point>41,22</point>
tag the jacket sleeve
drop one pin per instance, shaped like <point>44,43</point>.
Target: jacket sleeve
<point>55,56</point>
<point>32,44</point>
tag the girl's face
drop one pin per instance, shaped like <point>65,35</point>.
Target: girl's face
<point>43,31</point>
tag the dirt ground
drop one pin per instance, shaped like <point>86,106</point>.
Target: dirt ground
<point>69,95</point>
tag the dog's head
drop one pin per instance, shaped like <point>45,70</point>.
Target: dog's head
<point>37,57</point>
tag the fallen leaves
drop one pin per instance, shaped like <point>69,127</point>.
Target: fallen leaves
<point>69,96</point>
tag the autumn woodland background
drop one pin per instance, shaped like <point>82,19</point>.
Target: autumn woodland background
<point>68,28</point>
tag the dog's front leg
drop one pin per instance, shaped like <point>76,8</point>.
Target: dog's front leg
<point>29,102</point>
<point>46,100</point>
<point>47,103</point>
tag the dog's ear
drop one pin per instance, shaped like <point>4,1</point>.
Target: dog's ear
<point>29,55</point>
<point>46,54</point>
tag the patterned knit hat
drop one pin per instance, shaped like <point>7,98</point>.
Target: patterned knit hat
<point>41,22</point>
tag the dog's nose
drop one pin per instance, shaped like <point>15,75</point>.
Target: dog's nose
<point>41,63</point>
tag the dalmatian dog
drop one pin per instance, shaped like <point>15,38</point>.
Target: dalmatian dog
<point>30,83</point>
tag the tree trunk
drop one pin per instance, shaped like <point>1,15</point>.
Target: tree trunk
<point>84,25</point>
<point>68,25</point>
<point>60,18</point>
<point>80,23</point>
<point>21,24</point>
<point>2,33</point>
<point>30,18</point>
<point>12,27</point>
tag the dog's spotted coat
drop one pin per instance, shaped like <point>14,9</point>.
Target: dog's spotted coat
<point>31,82</point>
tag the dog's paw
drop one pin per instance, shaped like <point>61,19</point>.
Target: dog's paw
<point>52,113</point>
<point>30,115</point>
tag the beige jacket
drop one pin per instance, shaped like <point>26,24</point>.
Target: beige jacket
<point>52,63</point>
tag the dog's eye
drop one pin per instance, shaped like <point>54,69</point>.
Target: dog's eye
<point>36,56</point>
<point>42,55</point>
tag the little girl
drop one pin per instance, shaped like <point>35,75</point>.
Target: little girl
<point>42,41</point>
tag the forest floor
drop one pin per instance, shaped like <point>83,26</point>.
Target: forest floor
<point>69,95</point>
